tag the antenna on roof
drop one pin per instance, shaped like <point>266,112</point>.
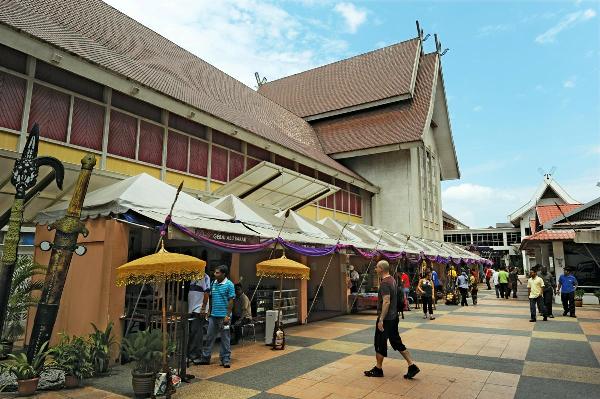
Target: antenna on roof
<point>438,46</point>
<point>547,175</point>
<point>259,81</point>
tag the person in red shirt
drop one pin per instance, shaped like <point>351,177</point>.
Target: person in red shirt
<point>405,287</point>
<point>488,276</point>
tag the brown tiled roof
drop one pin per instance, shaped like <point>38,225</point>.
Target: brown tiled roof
<point>98,33</point>
<point>552,235</point>
<point>546,213</point>
<point>373,76</point>
<point>392,124</point>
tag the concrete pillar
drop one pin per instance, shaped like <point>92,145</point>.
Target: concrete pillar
<point>234,270</point>
<point>558,251</point>
<point>545,254</point>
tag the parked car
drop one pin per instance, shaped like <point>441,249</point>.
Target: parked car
<point>588,274</point>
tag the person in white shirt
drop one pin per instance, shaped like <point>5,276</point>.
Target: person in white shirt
<point>496,282</point>
<point>354,279</point>
<point>197,308</point>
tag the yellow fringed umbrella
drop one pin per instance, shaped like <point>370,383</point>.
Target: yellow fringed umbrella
<point>160,268</point>
<point>282,268</point>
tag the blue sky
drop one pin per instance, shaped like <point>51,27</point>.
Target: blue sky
<point>522,78</point>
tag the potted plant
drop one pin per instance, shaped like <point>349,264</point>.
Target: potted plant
<point>579,292</point>
<point>145,348</point>
<point>100,345</point>
<point>72,355</point>
<point>597,295</point>
<point>27,373</point>
<point>19,301</point>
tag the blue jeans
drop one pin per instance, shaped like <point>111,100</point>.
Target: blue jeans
<point>215,327</point>
<point>539,303</point>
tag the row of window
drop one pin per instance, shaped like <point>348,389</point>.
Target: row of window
<point>136,130</point>
<point>483,239</point>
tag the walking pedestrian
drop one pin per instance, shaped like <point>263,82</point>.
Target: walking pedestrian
<point>503,281</point>
<point>567,284</point>
<point>488,277</point>
<point>197,307</point>
<point>426,288</point>
<point>496,283</point>
<point>405,287</point>
<point>474,288</point>
<point>222,293</point>
<point>387,324</point>
<point>535,289</point>
<point>549,289</point>
<point>463,285</point>
<point>437,284</point>
<point>513,280</point>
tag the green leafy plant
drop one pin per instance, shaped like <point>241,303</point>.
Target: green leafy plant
<point>145,348</point>
<point>73,356</point>
<point>579,293</point>
<point>21,297</point>
<point>100,345</point>
<point>22,368</point>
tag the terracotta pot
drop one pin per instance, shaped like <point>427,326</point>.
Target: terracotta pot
<point>143,384</point>
<point>28,387</point>
<point>71,381</point>
<point>578,303</point>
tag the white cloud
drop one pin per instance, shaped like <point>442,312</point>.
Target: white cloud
<point>477,108</point>
<point>570,82</point>
<point>353,16</point>
<point>568,21</point>
<point>240,36</point>
<point>492,29</point>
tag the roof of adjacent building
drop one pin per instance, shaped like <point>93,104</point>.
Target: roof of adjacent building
<point>102,35</point>
<point>400,122</point>
<point>586,214</point>
<point>548,184</point>
<point>446,215</point>
<point>545,213</point>
<point>366,78</point>
<point>552,235</point>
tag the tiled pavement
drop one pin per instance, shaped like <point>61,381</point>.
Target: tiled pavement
<point>488,351</point>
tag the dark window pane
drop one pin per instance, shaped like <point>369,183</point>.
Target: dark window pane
<point>187,126</point>
<point>305,170</point>
<point>226,141</point>
<point>218,164</point>
<point>354,189</point>
<point>122,135</point>
<point>344,199</point>
<point>13,59</point>
<point>151,143</point>
<point>359,207</point>
<point>258,153</point>
<point>251,162</point>
<point>236,164</point>
<point>329,201</point>
<point>12,99</point>
<point>135,106</point>
<point>70,81</point>
<point>326,178</point>
<point>87,127</point>
<point>198,157</point>
<point>177,151</point>
<point>341,184</point>
<point>50,109</point>
<point>285,162</point>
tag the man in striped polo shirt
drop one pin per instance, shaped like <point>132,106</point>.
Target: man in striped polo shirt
<point>222,293</point>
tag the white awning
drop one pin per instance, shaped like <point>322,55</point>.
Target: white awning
<point>274,186</point>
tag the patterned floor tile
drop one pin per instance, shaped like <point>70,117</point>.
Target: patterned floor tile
<point>558,335</point>
<point>340,346</point>
<point>212,389</point>
<point>561,352</point>
<point>556,371</point>
<point>533,387</point>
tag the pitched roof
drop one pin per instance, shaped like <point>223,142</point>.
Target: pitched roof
<point>588,213</point>
<point>552,235</point>
<point>548,183</point>
<point>545,213</point>
<point>392,124</point>
<point>102,35</point>
<point>373,76</point>
<point>446,215</point>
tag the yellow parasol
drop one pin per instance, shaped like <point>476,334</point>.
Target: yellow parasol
<point>161,267</point>
<point>282,268</point>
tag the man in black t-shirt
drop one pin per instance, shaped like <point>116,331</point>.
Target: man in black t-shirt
<point>387,324</point>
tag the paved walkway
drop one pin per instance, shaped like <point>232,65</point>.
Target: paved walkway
<point>488,351</point>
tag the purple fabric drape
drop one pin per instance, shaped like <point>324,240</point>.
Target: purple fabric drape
<point>308,251</point>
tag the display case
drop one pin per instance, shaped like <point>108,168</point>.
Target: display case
<point>269,300</point>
